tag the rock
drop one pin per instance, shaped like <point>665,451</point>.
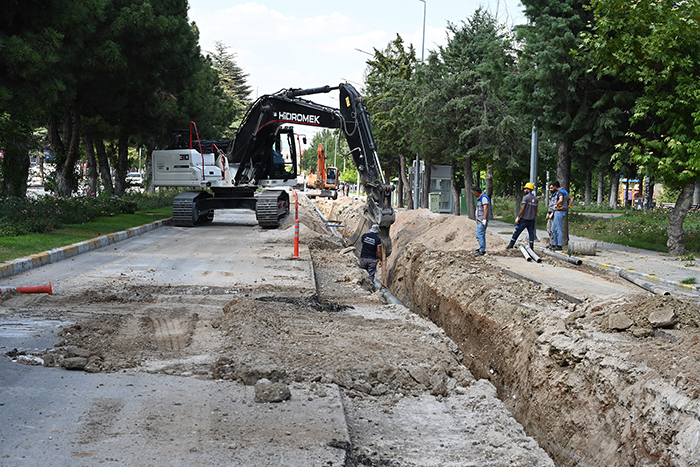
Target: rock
<point>267,391</point>
<point>662,318</point>
<point>250,376</point>
<point>74,363</point>
<point>420,375</point>
<point>362,386</point>
<point>29,360</point>
<point>619,322</point>
<point>70,352</point>
<point>94,365</point>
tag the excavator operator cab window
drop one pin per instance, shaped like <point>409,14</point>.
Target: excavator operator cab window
<point>283,156</point>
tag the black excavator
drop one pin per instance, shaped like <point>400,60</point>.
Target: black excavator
<point>253,171</point>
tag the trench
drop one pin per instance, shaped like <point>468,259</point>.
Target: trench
<point>585,406</point>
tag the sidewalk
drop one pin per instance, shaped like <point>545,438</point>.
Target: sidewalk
<point>663,269</point>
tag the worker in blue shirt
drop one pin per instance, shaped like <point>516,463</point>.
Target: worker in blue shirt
<point>483,206</point>
<point>560,210</point>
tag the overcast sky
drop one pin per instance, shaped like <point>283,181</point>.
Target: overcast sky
<point>312,43</point>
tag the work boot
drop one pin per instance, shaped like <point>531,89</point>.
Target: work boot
<point>510,245</point>
<point>479,253</point>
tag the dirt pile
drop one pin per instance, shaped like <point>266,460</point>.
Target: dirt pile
<point>591,393</point>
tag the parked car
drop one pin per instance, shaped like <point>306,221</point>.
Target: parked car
<point>134,181</point>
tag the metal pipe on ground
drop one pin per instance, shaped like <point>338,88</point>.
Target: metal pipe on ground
<point>532,254</point>
<point>29,289</point>
<point>525,253</point>
<point>645,285</point>
<point>582,248</point>
<point>570,259</point>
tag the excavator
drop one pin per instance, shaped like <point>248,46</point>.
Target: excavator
<point>253,170</point>
<point>324,182</point>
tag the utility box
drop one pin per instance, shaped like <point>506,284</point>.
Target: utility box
<point>434,202</point>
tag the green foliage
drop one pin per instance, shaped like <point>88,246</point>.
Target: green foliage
<point>19,216</point>
<point>657,46</point>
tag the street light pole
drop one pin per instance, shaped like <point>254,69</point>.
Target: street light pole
<point>422,53</point>
<point>416,185</point>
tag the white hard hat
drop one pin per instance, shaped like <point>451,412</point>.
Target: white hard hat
<point>374,229</point>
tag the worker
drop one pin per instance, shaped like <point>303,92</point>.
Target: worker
<point>526,218</point>
<point>560,210</point>
<point>371,251</point>
<point>483,209</point>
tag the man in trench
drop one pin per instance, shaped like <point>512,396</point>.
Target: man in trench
<point>371,250</point>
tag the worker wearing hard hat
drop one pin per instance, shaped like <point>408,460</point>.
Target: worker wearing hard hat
<point>527,217</point>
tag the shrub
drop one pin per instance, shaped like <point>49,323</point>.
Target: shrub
<point>20,216</point>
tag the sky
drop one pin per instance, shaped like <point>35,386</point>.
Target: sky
<point>284,44</point>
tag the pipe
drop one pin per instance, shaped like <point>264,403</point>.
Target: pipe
<point>645,285</point>
<point>570,259</point>
<point>524,252</point>
<point>29,289</point>
<point>532,254</point>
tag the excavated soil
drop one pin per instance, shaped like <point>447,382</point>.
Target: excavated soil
<point>610,381</point>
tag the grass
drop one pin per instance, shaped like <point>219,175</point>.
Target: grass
<point>25,245</point>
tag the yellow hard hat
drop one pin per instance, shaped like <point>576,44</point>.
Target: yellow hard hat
<point>530,186</point>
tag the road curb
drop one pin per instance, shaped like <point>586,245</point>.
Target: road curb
<point>27,263</point>
<point>641,275</point>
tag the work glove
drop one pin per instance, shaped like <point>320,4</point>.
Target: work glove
<point>517,220</point>
<point>560,207</point>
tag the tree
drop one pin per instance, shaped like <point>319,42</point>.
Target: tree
<point>460,109</point>
<point>387,78</point>
<point>656,45</point>
<point>235,89</point>
<point>554,84</point>
<point>35,38</point>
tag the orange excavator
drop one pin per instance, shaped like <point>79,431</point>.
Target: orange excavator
<point>324,182</point>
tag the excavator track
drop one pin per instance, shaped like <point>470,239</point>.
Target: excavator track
<point>186,212</point>
<point>272,206</point>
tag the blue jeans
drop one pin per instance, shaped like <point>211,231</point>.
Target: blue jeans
<point>481,235</point>
<point>557,228</point>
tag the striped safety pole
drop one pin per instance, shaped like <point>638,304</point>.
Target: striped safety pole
<point>29,289</point>
<point>296,224</point>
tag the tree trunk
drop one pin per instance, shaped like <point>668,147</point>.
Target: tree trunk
<point>122,164</point>
<point>103,167</point>
<point>15,170</point>
<point>676,236</point>
<point>589,188</point>
<point>601,187</point>
<point>468,184</point>
<point>91,165</point>
<point>66,144</point>
<point>614,184</point>
<point>425,198</point>
<point>518,196</point>
<point>564,163</point>
<point>455,190</point>
<point>403,177</point>
<point>488,189</point>
<point>696,193</point>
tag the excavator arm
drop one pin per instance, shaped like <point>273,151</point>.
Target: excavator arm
<point>250,151</point>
